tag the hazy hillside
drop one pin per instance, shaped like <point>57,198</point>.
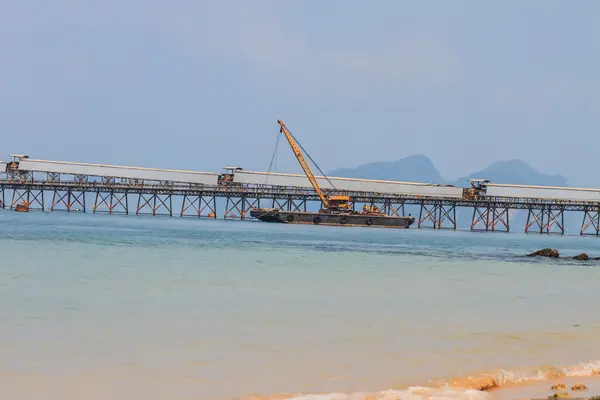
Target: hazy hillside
<point>419,168</point>
<point>413,168</point>
<point>514,171</point>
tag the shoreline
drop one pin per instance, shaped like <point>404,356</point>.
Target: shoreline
<point>526,383</point>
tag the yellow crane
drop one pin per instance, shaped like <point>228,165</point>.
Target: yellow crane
<point>331,203</point>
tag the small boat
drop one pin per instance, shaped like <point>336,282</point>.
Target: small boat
<point>23,207</point>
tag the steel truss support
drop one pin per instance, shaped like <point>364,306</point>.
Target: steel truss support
<point>490,217</point>
<point>14,176</point>
<point>35,198</point>
<point>591,219</point>
<point>81,179</point>
<point>53,177</point>
<point>282,204</point>
<point>440,216</point>
<point>112,203</point>
<point>199,204</point>
<point>388,207</point>
<point>297,205</point>
<point>69,199</point>
<point>393,209</point>
<point>155,202</point>
<point>546,220</point>
<point>241,206</point>
<point>290,204</point>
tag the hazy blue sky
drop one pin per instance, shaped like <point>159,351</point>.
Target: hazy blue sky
<point>199,85</point>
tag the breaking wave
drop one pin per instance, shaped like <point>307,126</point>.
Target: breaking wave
<point>475,387</point>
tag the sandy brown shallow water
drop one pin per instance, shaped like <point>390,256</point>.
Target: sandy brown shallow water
<point>155,309</point>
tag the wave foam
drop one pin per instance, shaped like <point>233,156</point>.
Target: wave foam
<point>475,387</point>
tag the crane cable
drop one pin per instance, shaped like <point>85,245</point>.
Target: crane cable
<point>273,160</point>
<point>274,156</point>
<point>310,158</point>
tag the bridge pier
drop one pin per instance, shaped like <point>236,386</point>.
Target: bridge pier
<point>155,202</point>
<point>393,209</point>
<point>437,213</point>
<point>546,220</point>
<point>492,216</point>
<point>68,199</point>
<point>115,202</point>
<point>290,204</point>
<point>199,204</point>
<point>35,198</point>
<point>297,205</point>
<point>241,205</point>
<point>591,219</point>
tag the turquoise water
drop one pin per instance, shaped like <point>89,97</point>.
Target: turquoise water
<point>170,308</point>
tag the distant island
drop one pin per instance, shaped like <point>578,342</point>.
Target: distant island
<point>419,168</point>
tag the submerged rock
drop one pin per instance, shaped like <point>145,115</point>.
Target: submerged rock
<point>582,257</point>
<point>552,253</point>
<point>579,387</point>
<point>562,395</point>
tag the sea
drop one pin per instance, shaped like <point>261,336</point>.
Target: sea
<point>99,307</point>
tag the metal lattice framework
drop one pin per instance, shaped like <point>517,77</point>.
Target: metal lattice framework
<point>114,196</point>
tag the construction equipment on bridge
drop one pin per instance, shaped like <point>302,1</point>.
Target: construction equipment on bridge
<point>478,187</point>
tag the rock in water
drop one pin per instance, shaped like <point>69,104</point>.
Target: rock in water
<point>552,253</point>
<point>582,257</point>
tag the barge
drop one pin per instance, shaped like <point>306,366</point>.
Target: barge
<point>324,217</point>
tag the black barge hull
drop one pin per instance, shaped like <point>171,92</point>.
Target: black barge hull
<point>334,219</point>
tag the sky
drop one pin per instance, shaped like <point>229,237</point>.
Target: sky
<point>200,85</point>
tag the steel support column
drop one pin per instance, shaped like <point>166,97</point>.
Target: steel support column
<point>114,202</point>
<point>481,216</point>
<point>440,216</point>
<point>546,220</point>
<point>490,217</point>
<point>282,204</point>
<point>591,219</point>
<point>35,198</point>
<point>427,213</point>
<point>447,214</point>
<point>68,199</point>
<point>240,205</point>
<point>199,204</point>
<point>393,209</point>
<point>155,202</point>
<point>297,205</point>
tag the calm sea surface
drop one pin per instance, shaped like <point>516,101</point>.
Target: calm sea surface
<point>98,307</point>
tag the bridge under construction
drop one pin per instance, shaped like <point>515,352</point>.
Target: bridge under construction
<point>96,188</point>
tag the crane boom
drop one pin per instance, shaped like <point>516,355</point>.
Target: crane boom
<point>303,163</point>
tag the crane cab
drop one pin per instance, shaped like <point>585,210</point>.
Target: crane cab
<point>339,203</point>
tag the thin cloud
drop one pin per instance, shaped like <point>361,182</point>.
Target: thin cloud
<point>257,38</point>
<point>547,94</point>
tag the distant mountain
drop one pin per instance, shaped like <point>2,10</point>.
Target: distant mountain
<point>514,171</point>
<point>419,168</point>
<point>414,168</point>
